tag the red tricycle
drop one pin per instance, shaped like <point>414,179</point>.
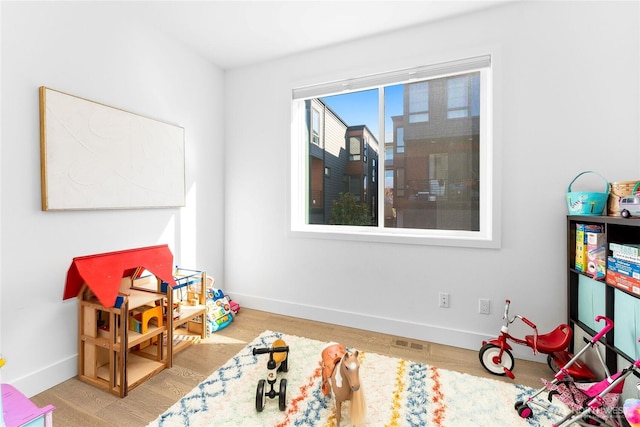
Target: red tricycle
<point>496,357</point>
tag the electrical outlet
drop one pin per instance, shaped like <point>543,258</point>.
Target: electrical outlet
<point>484,306</point>
<point>443,300</point>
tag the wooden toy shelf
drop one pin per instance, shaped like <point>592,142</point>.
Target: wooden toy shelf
<point>133,314</point>
<point>103,359</point>
<point>188,298</point>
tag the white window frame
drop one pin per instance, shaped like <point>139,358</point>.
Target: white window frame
<point>489,235</point>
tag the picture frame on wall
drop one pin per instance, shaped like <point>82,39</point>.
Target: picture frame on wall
<point>94,156</point>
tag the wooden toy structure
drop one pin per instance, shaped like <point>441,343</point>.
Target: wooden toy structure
<point>126,320</point>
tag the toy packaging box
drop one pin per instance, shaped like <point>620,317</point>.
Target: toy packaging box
<point>621,266</point>
<point>596,255</point>
<point>622,281</point>
<point>581,244</point>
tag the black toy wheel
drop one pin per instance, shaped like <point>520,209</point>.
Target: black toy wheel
<point>518,404</point>
<point>625,213</point>
<point>282,395</point>
<point>525,411</point>
<point>552,364</point>
<point>260,396</point>
<point>489,359</point>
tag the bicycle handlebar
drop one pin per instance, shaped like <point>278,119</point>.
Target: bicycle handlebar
<point>506,311</point>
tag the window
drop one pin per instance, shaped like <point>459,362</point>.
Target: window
<point>400,140</point>
<point>419,102</point>
<point>463,96</point>
<point>434,123</point>
<point>388,155</point>
<point>315,127</point>
<point>354,148</point>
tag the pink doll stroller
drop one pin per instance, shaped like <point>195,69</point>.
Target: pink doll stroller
<point>601,405</point>
<point>571,391</point>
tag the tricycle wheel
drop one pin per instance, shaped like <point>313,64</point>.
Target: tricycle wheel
<point>260,396</point>
<point>489,358</point>
<point>282,395</point>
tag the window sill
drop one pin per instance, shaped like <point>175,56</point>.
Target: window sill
<point>398,236</point>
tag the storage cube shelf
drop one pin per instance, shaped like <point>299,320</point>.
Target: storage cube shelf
<point>588,296</point>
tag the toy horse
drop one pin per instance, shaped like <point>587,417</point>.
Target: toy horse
<point>341,377</point>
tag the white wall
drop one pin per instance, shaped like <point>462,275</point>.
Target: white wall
<point>568,102</point>
<point>567,80</point>
<point>92,50</point>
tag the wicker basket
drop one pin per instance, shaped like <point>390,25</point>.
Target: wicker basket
<point>618,191</point>
<point>587,202</point>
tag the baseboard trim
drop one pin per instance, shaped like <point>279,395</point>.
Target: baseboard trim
<point>45,378</point>
<point>469,340</point>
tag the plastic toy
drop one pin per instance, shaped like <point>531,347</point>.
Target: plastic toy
<point>631,410</point>
<point>341,377</point>
<point>630,206</point>
<point>219,314</point>
<point>598,404</point>
<point>278,362</point>
<point>496,357</point>
<point>563,384</point>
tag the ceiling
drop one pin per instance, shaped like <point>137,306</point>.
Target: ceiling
<point>233,34</point>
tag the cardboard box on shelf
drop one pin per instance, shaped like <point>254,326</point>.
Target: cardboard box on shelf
<point>621,281</point>
<point>582,230</point>
<point>621,266</point>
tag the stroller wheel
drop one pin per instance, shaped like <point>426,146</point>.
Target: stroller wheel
<point>525,411</point>
<point>489,359</point>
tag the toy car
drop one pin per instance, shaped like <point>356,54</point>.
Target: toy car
<point>630,206</point>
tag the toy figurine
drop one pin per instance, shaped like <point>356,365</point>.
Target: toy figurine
<point>341,376</point>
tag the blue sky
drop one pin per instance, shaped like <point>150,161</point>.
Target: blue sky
<point>357,108</point>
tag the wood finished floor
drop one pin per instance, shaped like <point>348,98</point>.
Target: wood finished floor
<point>80,404</point>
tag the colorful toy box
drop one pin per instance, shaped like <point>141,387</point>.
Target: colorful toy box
<point>621,281</point>
<point>627,268</point>
<point>581,244</point>
<point>596,255</point>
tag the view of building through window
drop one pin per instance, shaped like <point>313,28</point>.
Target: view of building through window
<point>427,150</point>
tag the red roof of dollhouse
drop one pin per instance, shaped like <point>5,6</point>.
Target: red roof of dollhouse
<point>103,272</point>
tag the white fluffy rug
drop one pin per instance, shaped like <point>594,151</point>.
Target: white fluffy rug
<point>398,393</point>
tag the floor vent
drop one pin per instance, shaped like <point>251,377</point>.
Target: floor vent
<point>407,344</point>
